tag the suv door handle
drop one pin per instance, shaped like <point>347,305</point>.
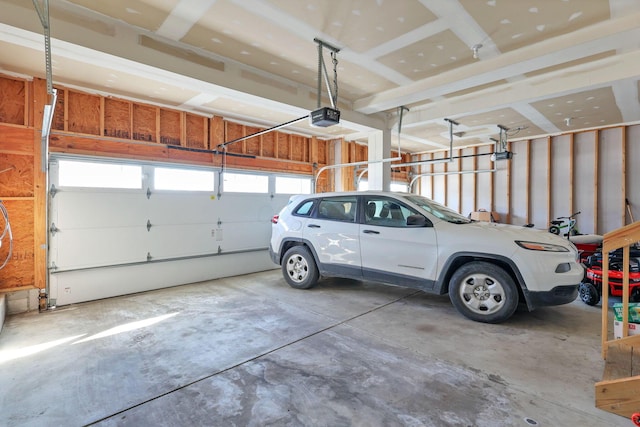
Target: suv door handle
<point>370,231</point>
<point>313,226</point>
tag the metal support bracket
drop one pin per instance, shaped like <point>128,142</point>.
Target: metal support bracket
<point>53,229</point>
<point>53,191</point>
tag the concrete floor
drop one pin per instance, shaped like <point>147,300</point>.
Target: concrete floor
<point>251,351</point>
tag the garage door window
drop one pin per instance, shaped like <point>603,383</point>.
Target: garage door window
<point>245,183</point>
<point>293,185</point>
<point>183,179</point>
<point>99,175</point>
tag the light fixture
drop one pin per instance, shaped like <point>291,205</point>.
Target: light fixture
<point>568,121</point>
<point>475,48</point>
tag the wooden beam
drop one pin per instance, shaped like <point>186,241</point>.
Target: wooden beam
<point>460,181</point>
<point>475,179</point>
<point>66,112</point>
<point>528,182</point>
<point>102,112</point>
<point>572,174</point>
<point>624,175</point>
<point>549,186</point>
<point>509,184</point>
<point>596,162</point>
<point>40,99</point>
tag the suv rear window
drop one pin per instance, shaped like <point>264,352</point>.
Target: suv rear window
<point>304,209</point>
<point>338,209</point>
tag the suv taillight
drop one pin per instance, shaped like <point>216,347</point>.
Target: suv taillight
<point>274,220</point>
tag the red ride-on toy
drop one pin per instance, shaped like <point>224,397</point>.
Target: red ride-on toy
<point>590,289</point>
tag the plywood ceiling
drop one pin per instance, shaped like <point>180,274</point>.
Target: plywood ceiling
<point>539,62</point>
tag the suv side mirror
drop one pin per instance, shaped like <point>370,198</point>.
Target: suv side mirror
<point>418,221</point>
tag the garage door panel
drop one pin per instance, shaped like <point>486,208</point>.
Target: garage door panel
<point>81,248</point>
<point>246,235</point>
<point>83,209</point>
<point>169,241</point>
<point>167,208</point>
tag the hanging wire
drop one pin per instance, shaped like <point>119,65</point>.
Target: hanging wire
<point>6,231</point>
<point>334,58</point>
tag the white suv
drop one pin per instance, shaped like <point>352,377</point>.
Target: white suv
<point>408,240</point>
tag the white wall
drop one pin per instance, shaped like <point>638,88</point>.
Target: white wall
<point>592,172</point>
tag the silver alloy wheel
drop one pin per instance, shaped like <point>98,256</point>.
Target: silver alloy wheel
<point>297,268</point>
<point>482,293</point>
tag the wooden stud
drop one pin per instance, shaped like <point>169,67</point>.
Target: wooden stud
<point>509,184</point>
<point>596,155</point>
<point>66,111</point>
<point>460,181</point>
<point>40,99</point>
<point>433,195</point>
<point>549,187</point>
<point>571,171</point>
<point>475,179</point>
<point>492,191</point>
<point>446,181</point>
<point>130,119</point>
<point>624,175</point>
<point>102,112</point>
<point>528,182</point>
<point>27,104</point>
<point>158,134</point>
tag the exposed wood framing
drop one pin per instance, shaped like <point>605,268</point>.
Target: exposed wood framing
<point>528,182</point>
<point>572,174</point>
<point>41,98</point>
<point>549,186</point>
<point>623,148</point>
<point>508,213</point>
<point>460,182</point>
<point>596,172</point>
<point>475,179</point>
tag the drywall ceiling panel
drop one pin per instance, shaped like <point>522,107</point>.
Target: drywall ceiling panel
<point>430,56</point>
<point>147,14</point>
<point>594,108</point>
<point>514,24</point>
<point>360,24</point>
<point>506,117</point>
<point>278,51</point>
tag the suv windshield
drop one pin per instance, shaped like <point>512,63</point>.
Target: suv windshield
<point>438,210</point>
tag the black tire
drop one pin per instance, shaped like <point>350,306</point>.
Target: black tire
<point>483,292</point>
<point>554,230</point>
<point>299,268</point>
<point>588,293</point>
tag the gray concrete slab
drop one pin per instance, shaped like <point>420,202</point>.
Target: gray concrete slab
<point>250,350</point>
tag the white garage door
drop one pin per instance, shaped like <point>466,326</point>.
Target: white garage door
<point>118,228</point>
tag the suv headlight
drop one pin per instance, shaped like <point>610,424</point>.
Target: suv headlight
<point>535,246</point>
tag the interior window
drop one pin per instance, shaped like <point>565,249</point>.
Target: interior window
<point>338,209</point>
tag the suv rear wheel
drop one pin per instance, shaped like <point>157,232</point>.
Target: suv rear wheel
<point>483,292</point>
<point>299,268</point>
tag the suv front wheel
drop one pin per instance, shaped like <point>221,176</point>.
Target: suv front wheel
<point>483,292</point>
<point>299,268</point>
